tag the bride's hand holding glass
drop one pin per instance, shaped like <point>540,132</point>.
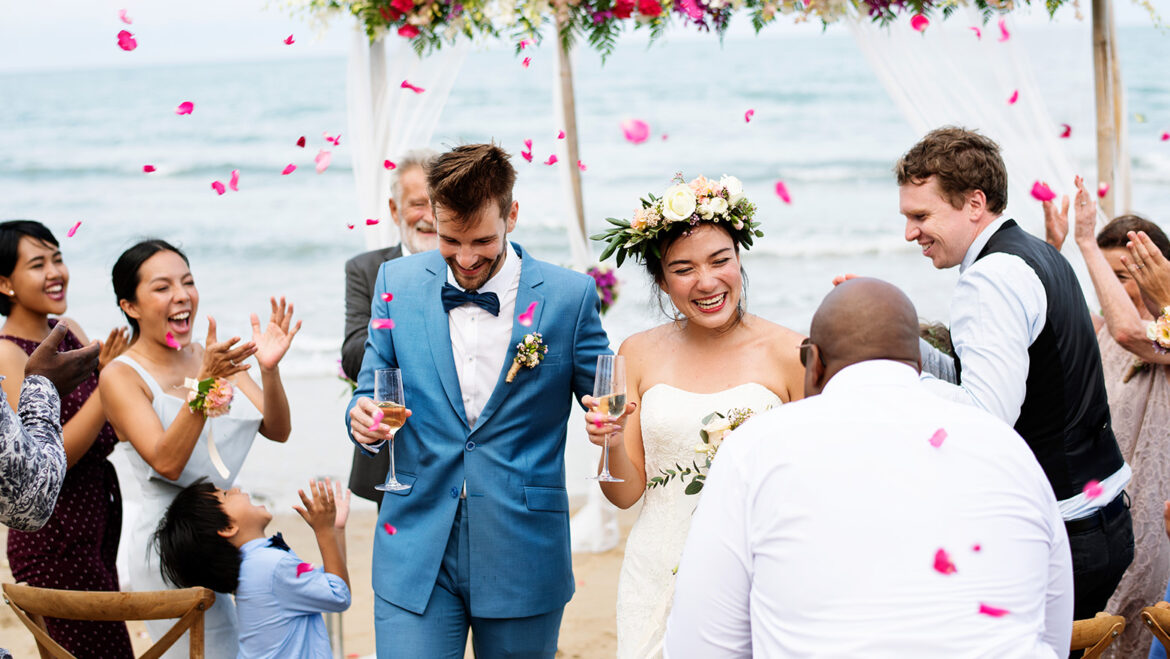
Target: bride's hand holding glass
<point>599,424</point>
<point>274,341</point>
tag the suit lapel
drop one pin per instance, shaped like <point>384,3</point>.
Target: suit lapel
<point>437,325</point>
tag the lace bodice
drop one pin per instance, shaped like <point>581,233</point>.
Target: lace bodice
<point>671,418</point>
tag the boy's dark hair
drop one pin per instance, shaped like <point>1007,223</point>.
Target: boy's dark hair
<point>11,233</point>
<point>190,548</point>
<point>468,177</point>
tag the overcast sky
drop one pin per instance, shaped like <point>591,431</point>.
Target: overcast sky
<point>56,34</point>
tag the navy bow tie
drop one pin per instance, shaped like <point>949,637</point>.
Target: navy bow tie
<point>278,542</point>
<point>454,297</point>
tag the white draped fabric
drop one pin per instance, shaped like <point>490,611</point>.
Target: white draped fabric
<point>386,120</point>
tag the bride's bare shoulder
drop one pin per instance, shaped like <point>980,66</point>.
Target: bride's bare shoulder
<point>647,341</point>
<point>771,331</point>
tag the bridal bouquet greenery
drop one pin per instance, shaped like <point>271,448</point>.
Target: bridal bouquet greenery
<point>716,427</point>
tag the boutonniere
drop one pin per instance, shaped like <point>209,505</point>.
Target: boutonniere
<point>529,352</point>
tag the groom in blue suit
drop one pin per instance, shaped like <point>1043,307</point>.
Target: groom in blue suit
<point>482,535</point>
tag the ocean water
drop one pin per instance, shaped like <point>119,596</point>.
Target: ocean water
<point>74,143</point>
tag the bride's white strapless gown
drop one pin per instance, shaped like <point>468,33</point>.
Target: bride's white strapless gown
<point>671,419</point>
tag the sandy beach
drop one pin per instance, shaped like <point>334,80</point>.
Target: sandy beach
<point>587,630</point>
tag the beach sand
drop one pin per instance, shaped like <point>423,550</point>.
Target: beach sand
<point>588,628</point>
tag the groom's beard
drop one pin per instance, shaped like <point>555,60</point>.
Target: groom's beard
<point>477,282</point>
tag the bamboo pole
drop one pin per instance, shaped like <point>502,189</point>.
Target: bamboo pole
<point>569,115</point>
<point>1123,199</point>
<point>1106,115</point>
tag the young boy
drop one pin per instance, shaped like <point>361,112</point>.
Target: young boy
<point>216,539</point>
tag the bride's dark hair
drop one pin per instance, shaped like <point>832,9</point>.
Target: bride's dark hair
<point>654,267</point>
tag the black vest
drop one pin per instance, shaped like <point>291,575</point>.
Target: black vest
<point>1065,416</point>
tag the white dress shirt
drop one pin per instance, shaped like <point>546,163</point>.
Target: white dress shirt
<point>820,521</point>
<point>997,312</point>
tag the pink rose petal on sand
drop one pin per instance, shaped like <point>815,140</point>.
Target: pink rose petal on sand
<point>782,192</point>
<point>126,41</point>
<point>390,530</point>
<point>560,135</point>
<point>527,62</point>
<point>552,160</point>
<point>1067,132</point>
<point>301,142</point>
<point>389,164</point>
<point>234,181</point>
<point>919,22</point>
<point>288,169</point>
<point>1093,489</point>
<point>747,116</point>
<point>123,17</point>
<point>148,168</point>
<point>171,342</point>
<point>186,107</point>
<point>407,85</point>
<point>1014,97</point>
<point>942,563</point>
<point>378,416</point>
<point>323,158</point>
<point>303,568</point>
<point>636,130</point>
<point>371,222</point>
<point>581,165</point>
<point>386,297</point>
<point>977,31</point>
<point>525,318</point>
<point>289,40</point>
<point>527,155</point>
<point>937,438</point>
<point>1102,190</point>
<point>218,187</point>
<point>73,230</point>
<point>1004,35</point>
<point>1041,192</point>
<point>994,612</point>
<point>382,323</point>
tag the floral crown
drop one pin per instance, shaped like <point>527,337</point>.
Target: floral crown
<point>701,200</point>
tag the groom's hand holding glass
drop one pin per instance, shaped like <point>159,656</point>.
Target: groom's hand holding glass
<point>361,417</point>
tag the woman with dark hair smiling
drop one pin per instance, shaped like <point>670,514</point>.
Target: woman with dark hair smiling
<point>77,548</point>
<point>177,403</point>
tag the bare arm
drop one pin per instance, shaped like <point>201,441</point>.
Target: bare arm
<point>626,454</point>
<point>320,513</point>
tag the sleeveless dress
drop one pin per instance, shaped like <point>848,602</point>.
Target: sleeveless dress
<point>233,434</point>
<point>671,419</point>
<point>77,549</point>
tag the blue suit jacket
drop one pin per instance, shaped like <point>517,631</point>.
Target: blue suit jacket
<point>512,461</point>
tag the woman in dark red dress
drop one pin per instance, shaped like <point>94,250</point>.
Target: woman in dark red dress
<point>77,549</point>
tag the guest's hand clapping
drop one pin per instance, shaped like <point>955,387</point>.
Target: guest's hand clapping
<point>598,424</point>
<point>1149,268</point>
<point>1056,222</point>
<point>65,370</point>
<point>114,345</point>
<point>272,345</point>
<point>223,359</point>
<point>1085,230</point>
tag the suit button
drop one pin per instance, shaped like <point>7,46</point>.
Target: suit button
<point>454,492</point>
<point>470,446</point>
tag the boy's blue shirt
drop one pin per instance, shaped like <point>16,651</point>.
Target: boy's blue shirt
<point>280,610</point>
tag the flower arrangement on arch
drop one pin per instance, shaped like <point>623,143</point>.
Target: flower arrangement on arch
<point>607,283</point>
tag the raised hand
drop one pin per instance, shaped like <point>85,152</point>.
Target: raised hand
<point>273,343</point>
<point>341,496</point>
<point>1056,222</point>
<point>320,510</point>
<point>65,370</point>
<point>1085,230</point>
<point>115,344</point>
<point>599,424</point>
<point>222,359</point>
<point>1149,268</point>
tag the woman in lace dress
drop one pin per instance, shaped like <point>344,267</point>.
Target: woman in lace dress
<point>712,357</point>
<point>1136,378</point>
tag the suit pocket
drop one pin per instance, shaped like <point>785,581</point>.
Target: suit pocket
<point>552,499</point>
<point>405,479</point>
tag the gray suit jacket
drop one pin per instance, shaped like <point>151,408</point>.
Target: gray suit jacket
<point>360,273</point>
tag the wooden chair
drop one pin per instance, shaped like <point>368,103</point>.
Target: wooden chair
<point>1157,619</point>
<point>33,604</point>
<point>1096,634</point>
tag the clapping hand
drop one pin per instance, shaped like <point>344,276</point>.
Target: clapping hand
<point>1149,268</point>
<point>65,370</point>
<point>1056,222</point>
<point>114,345</point>
<point>220,358</point>
<point>274,342</point>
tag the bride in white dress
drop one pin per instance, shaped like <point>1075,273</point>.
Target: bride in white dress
<point>713,357</point>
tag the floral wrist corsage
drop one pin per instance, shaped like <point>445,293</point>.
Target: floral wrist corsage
<point>212,397</point>
<point>1158,331</point>
<point>529,352</point>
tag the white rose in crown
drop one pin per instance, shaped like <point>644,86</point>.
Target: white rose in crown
<point>679,203</point>
<point>705,211</point>
<point>718,205</point>
<point>734,188</point>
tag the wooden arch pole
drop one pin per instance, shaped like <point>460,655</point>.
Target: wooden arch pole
<point>568,112</point>
<point>1106,75</point>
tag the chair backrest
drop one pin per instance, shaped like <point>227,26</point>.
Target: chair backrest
<point>1095,634</point>
<point>188,604</point>
<point>1156,618</point>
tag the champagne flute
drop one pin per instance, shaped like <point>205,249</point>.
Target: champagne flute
<point>389,398</point>
<point>609,387</point>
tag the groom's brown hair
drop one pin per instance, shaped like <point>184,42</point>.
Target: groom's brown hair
<point>467,177</point>
<point>962,161</point>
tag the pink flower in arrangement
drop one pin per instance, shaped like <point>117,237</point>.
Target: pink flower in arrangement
<point>943,564</point>
<point>148,168</point>
<point>1014,97</point>
<point>692,9</point>
<point>623,9</point>
<point>126,41</point>
<point>288,169</point>
<point>186,107</point>
<point>73,230</point>
<point>219,398</point>
<point>218,187</point>
<point>636,130</point>
<point>919,22</point>
<point>1041,192</point>
<point>289,40</point>
<point>403,5</point>
<point>408,31</point>
<point>123,17</point>
<point>1067,132</point>
<point>389,164</point>
<point>649,8</point>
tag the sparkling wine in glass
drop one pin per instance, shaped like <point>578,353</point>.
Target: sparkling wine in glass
<point>389,398</point>
<point>609,387</point>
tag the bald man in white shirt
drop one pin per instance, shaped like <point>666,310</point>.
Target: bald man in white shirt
<point>873,518</point>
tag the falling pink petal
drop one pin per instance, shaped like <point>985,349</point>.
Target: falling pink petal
<point>186,107</point>
<point>390,530</point>
<point>371,222</point>
<point>303,568</point>
<point>289,40</point>
<point>580,165</point>
<point>72,230</point>
<point>943,563</point>
<point>1102,190</point>
<point>123,17</point>
<point>524,43</point>
<point>148,168</point>
<point>407,85</point>
<point>382,323</point>
<point>977,548</point>
<point>978,32</point>
<point>994,612</point>
<point>288,169</point>
<point>323,158</point>
<point>1014,97</point>
<point>1004,35</point>
<point>937,438</point>
<point>1041,192</point>
<point>234,181</point>
<point>1093,489</point>
<point>218,187</point>
<point>552,160</point>
<point>389,164</point>
<point>919,22</point>
<point>782,192</point>
<point>301,142</point>
<point>1165,137</point>
<point>386,297</point>
<point>636,130</point>
<point>560,135</point>
<point>525,318</point>
<point>171,342</point>
<point>335,141</point>
<point>664,136</point>
<point>527,155</point>
<point>1067,132</point>
<point>348,225</point>
<point>126,41</point>
<point>528,144</point>
<point>378,416</point>
<point>747,116</point>
<point>527,62</point>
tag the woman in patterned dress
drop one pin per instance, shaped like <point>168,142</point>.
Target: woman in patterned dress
<point>77,548</point>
